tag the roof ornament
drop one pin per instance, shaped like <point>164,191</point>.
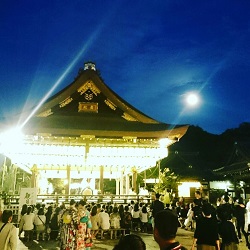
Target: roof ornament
<point>89,65</point>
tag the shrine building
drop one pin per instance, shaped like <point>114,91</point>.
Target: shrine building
<point>86,131</point>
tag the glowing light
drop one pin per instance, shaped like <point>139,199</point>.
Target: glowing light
<point>192,99</point>
<point>184,188</point>
<point>11,139</point>
<point>164,142</point>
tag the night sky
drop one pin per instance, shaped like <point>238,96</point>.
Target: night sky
<point>151,53</point>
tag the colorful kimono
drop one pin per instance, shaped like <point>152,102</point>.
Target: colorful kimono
<point>84,240</point>
<point>68,229</point>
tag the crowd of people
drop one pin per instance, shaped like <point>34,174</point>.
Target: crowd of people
<point>77,225</point>
<point>217,226</point>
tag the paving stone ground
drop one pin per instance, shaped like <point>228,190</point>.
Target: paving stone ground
<point>185,238</point>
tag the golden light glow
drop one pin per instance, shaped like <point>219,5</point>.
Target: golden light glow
<point>88,158</point>
<point>184,188</point>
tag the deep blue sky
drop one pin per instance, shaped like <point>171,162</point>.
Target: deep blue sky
<point>151,53</point>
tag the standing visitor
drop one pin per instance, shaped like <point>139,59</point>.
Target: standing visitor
<point>198,197</point>
<point>206,234</point>
<point>165,229</point>
<point>23,212</point>
<point>95,221</point>
<point>8,232</point>
<point>104,222</point>
<point>54,224</point>
<point>27,224</point>
<point>121,212</point>
<point>127,220</point>
<point>48,215</point>
<point>115,221</point>
<point>239,212</point>
<point>68,227</point>
<point>225,210</point>
<point>189,220</point>
<point>144,219</point>
<point>156,207</point>
<point>248,212</point>
<point>39,222</point>
<point>228,235</point>
<point>136,217</point>
<point>83,236</point>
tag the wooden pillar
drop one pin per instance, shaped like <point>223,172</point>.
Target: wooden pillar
<point>134,180</point>
<point>127,184</point>
<point>34,176</point>
<point>14,177</point>
<point>3,174</point>
<point>101,179</point>
<point>67,187</point>
<point>121,184</point>
<point>117,183</point>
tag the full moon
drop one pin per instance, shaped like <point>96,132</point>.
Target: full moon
<point>192,99</point>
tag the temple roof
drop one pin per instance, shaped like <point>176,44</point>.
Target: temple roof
<point>88,107</point>
<point>238,166</point>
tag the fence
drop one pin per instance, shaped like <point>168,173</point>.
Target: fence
<point>11,202</point>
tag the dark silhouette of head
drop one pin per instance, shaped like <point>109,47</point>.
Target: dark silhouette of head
<point>130,241</point>
<point>166,225</point>
<point>6,216</point>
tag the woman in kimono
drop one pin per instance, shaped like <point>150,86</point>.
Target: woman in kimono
<point>83,239</point>
<point>68,228</point>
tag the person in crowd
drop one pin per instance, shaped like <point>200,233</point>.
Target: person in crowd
<point>36,208</point>
<point>189,220</point>
<point>228,235</point>
<point>24,209</point>
<point>95,221</point>
<point>165,229</point>
<point>182,215</point>
<point>181,201</point>
<point>115,221</point>
<point>48,215</point>
<point>99,208</point>
<point>225,210</point>
<point>127,220</point>
<point>121,212</point>
<point>104,221</point>
<point>39,223</point>
<point>248,212</point>
<point>54,224</point>
<point>136,217</point>
<point>197,211</point>
<point>131,206</point>
<point>68,227</point>
<point>177,208</point>
<point>239,213</point>
<point>83,235</point>
<point>130,241</point>
<point>206,234</point>
<point>156,206</point>
<point>22,213</point>
<point>110,209</point>
<point>27,224</point>
<point>8,232</point>
<point>144,219</point>
<point>198,197</point>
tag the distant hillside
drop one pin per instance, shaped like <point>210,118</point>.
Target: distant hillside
<point>199,152</point>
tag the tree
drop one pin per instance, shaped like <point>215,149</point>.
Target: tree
<point>168,182</point>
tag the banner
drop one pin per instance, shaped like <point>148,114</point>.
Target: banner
<point>28,196</point>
